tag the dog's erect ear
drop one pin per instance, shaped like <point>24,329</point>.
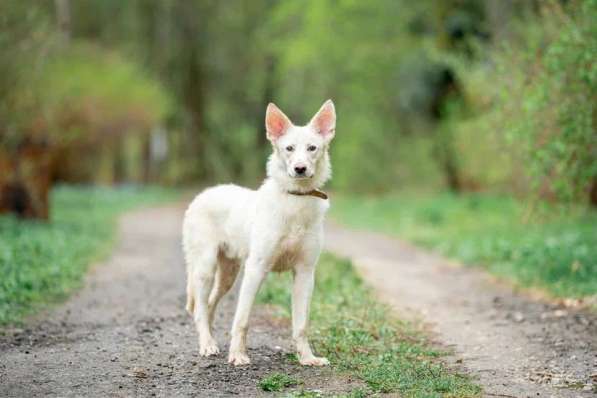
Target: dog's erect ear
<point>324,121</point>
<point>276,122</point>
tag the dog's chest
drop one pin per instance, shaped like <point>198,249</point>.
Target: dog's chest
<point>294,238</point>
<point>295,234</point>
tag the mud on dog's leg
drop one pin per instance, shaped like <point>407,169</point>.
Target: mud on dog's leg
<point>304,278</point>
<point>253,277</point>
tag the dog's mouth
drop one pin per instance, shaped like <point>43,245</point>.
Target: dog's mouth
<point>300,176</point>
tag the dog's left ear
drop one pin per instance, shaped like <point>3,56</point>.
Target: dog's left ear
<point>324,121</point>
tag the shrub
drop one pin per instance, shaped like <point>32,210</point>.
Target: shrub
<point>535,106</point>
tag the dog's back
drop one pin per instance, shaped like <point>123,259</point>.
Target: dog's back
<point>217,215</point>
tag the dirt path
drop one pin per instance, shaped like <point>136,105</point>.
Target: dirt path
<point>126,333</point>
<point>516,347</point>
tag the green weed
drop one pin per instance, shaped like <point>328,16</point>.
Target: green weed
<point>277,382</point>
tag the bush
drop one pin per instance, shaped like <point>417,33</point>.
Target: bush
<point>535,107</point>
<point>89,93</point>
<point>61,93</point>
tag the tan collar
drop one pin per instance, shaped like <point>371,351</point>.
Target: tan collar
<point>313,192</point>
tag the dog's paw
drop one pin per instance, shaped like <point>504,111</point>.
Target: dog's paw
<point>208,348</point>
<point>238,358</point>
<point>314,361</point>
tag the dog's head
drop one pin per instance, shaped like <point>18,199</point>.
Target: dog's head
<point>301,152</point>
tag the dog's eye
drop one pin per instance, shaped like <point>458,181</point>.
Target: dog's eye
<point>311,148</point>
<point>290,148</point>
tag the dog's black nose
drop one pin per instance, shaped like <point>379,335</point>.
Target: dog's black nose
<point>300,170</point>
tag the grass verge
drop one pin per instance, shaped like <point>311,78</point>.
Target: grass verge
<point>41,262</point>
<point>360,337</point>
<point>557,253</point>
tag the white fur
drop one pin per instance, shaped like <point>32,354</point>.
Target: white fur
<point>265,230</point>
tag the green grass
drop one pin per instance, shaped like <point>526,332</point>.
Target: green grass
<point>42,262</point>
<point>356,393</point>
<point>277,382</point>
<point>360,337</point>
<point>557,254</point>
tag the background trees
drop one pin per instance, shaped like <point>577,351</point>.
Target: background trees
<point>463,94</point>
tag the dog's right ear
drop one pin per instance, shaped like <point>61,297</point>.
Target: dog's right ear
<point>276,122</point>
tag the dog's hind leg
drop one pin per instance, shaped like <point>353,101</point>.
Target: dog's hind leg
<point>202,273</point>
<point>190,307</point>
<point>225,276</point>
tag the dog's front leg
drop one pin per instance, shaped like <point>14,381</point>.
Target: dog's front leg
<point>301,299</point>
<point>255,271</point>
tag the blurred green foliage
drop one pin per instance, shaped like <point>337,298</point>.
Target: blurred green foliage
<point>468,95</point>
<point>557,253</point>
<point>89,91</point>
<point>360,337</point>
<point>533,106</point>
<point>23,38</point>
<point>42,262</point>
<point>66,93</point>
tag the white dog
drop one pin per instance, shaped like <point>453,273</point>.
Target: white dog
<point>276,228</point>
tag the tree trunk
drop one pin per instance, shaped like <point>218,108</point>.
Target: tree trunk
<point>268,96</point>
<point>194,81</point>
<point>63,17</point>
<point>146,159</point>
<point>120,172</point>
<point>447,161</point>
<point>25,179</point>
<point>593,193</point>
<point>499,14</point>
